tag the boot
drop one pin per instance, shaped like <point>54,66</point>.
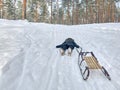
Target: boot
<point>69,51</point>
<point>62,52</point>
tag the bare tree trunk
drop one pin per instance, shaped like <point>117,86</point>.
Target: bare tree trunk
<point>68,12</point>
<point>103,14</point>
<point>98,11</point>
<point>36,14</point>
<point>14,9</point>
<point>57,12</point>
<point>76,14</point>
<point>51,12</point>
<point>113,11</point>
<point>91,15</point>
<point>117,13</point>
<point>63,18</point>
<point>86,11</point>
<point>108,12</point>
<point>1,9</point>
<point>73,12</point>
<point>24,9</point>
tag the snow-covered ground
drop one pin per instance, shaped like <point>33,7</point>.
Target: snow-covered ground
<point>30,61</point>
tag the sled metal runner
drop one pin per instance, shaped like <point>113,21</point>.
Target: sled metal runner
<point>88,61</point>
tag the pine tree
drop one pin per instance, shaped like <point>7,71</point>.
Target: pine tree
<point>19,10</point>
<point>10,9</point>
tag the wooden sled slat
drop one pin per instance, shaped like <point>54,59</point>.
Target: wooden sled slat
<point>92,62</point>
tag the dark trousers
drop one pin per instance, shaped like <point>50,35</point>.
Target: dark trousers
<point>66,47</point>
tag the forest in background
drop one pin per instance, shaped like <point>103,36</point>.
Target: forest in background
<point>69,12</point>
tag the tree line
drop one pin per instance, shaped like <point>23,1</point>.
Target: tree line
<point>68,12</point>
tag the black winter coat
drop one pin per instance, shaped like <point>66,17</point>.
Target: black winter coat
<point>68,42</point>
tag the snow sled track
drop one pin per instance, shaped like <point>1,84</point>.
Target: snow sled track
<point>52,69</point>
<point>62,72</point>
<point>57,69</point>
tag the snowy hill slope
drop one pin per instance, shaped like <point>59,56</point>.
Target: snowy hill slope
<point>30,60</point>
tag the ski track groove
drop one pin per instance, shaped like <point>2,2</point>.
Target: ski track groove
<point>54,57</point>
<point>25,64</point>
<point>51,69</point>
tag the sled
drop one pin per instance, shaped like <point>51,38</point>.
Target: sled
<point>88,62</point>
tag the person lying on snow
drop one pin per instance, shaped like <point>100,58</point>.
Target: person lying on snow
<point>69,44</point>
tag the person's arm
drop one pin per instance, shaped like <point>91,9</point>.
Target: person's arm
<point>77,46</point>
<point>58,46</point>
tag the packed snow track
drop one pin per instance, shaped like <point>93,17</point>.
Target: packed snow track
<point>29,59</point>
